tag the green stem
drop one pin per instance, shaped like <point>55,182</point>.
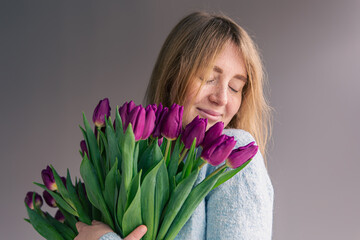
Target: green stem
<point>216,171</point>
<point>168,144</point>
<point>183,155</point>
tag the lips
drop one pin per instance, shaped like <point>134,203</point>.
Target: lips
<point>209,114</point>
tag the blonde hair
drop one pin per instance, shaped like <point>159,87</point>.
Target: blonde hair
<point>191,47</point>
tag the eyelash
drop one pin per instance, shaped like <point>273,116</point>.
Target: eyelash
<point>232,89</point>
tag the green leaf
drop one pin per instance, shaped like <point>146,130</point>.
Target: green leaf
<point>111,188</point>
<point>161,195</point>
<point>83,215</point>
<point>118,126</point>
<point>113,151</point>
<point>136,159</point>
<point>93,189</point>
<point>177,198</point>
<point>148,200</point>
<point>59,200</point>
<point>150,157</point>
<point>133,188</point>
<point>61,188</point>
<point>189,160</point>
<point>229,174</point>
<point>63,229</point>
<point>132,216</point>
<point>94,151</point>
<point>121,203</point>
<point>127,150</point>
<point>190,204</point>
<point>173,164</point>
<point>83,198</point>
<point>42,226</point>
<point>105,155</point>
<point>70,219</point>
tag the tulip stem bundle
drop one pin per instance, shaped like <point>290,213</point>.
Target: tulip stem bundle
<point>133,175</point>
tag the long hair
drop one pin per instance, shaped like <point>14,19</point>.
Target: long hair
<point>192,47</point>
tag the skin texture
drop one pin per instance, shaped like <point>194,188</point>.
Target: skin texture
<point>219,98</point>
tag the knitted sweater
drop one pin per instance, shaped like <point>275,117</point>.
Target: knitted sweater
<point>239,209</point>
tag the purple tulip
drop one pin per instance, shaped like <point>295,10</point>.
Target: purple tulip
<point>49,199</point>
<point>160,141</point>
<point>212,133</point>
<point>171,125</point>
<point>219,150</point>
<point>160,115</point>
<point>102,109</point>
<point>241,155</point>
<point>48,179</point>
<point>59,216</point>
<point>137,119</point>
<point>195,129</point>
<point>150,118</point>
<point>124,111</point>
<point>84,148</point>
<point>29,200</point>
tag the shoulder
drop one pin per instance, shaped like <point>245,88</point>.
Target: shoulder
<point>242,137</point>
<point>254,178</point>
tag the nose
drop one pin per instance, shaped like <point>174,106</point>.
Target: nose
<point>219,95</point>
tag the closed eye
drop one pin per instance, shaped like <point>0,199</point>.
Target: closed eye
<point>232,89</point>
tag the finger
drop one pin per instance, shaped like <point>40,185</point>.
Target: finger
<point>79,226</point>
<point>137,233</point>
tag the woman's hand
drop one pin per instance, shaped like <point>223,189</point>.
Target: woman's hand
<point>98,229</point>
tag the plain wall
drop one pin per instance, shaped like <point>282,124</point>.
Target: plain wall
<point>58,59</point>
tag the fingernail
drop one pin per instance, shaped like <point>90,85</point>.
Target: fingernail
<point>143,229</point>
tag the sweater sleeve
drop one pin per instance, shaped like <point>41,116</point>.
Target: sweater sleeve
<point>110,236</point>
<point>242,208</point>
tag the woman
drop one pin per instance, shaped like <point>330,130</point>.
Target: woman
<point>211,66</point>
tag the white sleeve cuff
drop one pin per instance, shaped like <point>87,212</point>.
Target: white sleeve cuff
<point>110,236</point>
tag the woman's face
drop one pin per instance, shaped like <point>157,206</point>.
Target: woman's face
<point>219,98</point>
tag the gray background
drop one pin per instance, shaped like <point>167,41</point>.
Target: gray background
<point>59,58</point>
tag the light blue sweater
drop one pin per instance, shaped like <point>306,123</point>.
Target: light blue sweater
<point>240,209</point>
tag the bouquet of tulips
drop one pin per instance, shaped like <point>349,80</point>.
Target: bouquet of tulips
<point>139,169</point>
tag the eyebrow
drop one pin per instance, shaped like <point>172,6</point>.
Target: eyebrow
<point>238,76</point>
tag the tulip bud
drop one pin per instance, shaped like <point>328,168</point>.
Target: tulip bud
<point>160,141</point>
<point>212,133</point>
<point>48,179</point>
<point>150,118</point>
<point>102,109</point>
<point>195,129</point>
<point>241,155</point>
<point>59,216</point>
<point>160,114</point>
<point>49,199</point>
<point>124,111</point>
<point>171,125</point>
<point>137,119</point>
<point>219,150</point>
<point>84,148</point>
<point>29,200</point>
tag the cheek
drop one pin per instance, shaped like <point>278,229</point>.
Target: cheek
<point>233,108</point>
<point>189,107</point>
